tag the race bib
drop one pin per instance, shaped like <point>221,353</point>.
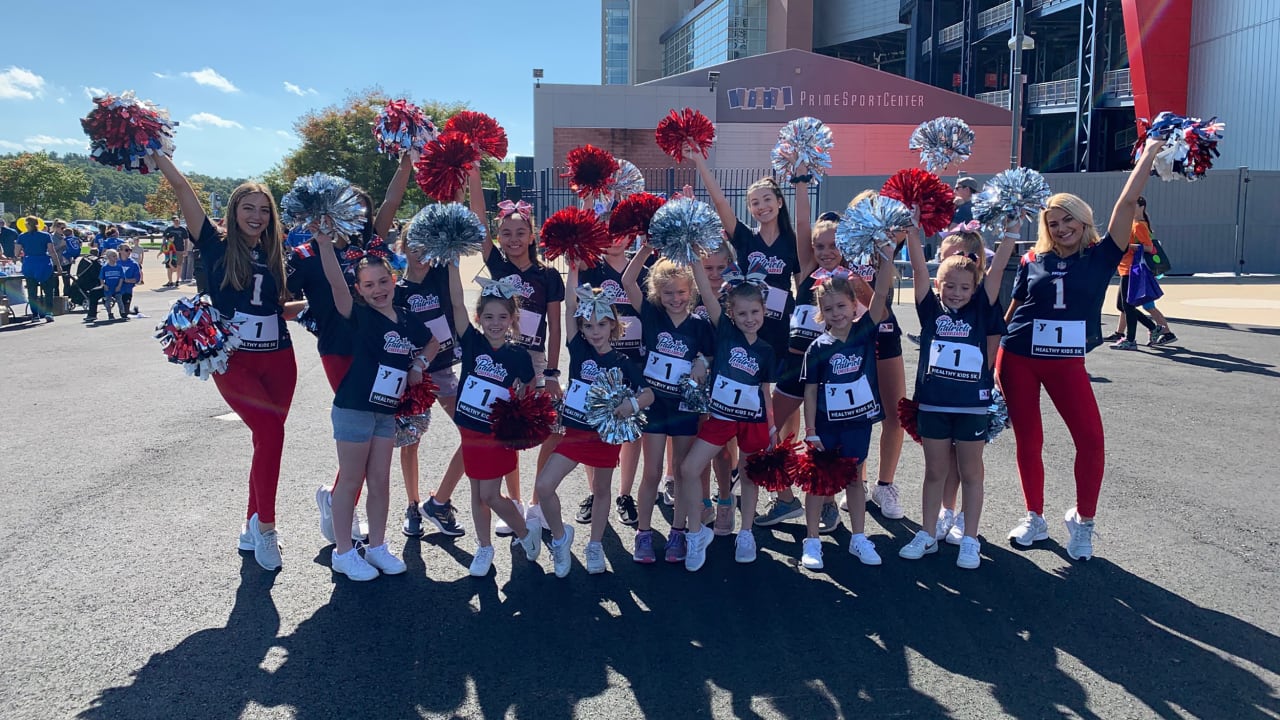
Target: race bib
<point>530,323</point>
<point>477,396</point>
<point>439,328</point>
<point>1057,338</point>
<point>575,399</point>
<point>804,321</point>
<point>258,332</point>
<point>665,371</point>
<point>851,400</point>
<point>955,361</point>
<point>632,333</point>
<point>775,302</point>
<point>388,386</point>
<point>734,400</point>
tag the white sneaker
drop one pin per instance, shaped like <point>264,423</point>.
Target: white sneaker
<point>886,496</point>
<point>970,553</point>
<point>946,521</point>
<point>669,491</point>
<point>534,518</point>
<point>561,551</point>
<point>381,558</point>
<point>266,546</point>
<point>481,563</point>
<point>696,544</point>
<point>359,530</point>
<point>811,555</point>
<point>532,542</point>
<point>956,533</point>
<point>324,501</point>
<point>922,544</point>
<point>744,548</point>
<point>595,558</point>
<point>1080,546</point>
<point>501,528</point>
<point>246,538</point>
<point>1032,529</point>
<point>863,549</point>
<point>844,502</point>
<point>353,566</point>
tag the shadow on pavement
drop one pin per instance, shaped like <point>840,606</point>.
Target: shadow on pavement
<point>1221,362</point>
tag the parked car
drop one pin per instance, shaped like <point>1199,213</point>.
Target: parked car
<point>97,225</point>
<point>155,226</point>
<point>131,230</point>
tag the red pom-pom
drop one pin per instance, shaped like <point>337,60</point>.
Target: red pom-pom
<point>418,399</point>
<point>576,234</point>
<point>683,129</point>
<point>907,411</point>
<point>824,472</point>
<point>485,132</point>
<point>631,216</point>
<point>444,165</point>
<point>921,188</point>
<point>776,469</point>
<point>591,170</point>
<point>524,419</point>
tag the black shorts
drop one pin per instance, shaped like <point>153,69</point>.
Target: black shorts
<point>789,376</point>
<point>960,427</point>
<point>889,339</point>
<point>666,418</point>
<point>853,441</point>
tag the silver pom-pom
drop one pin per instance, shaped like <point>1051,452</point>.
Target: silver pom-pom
<point>694,396</point>
<point>410,429</point>
<point>443,233</point>
<point>684,230</point>
<point>610,390</point>
<point>997,416</point>
<point>1016,194</point>
<point>942,141</point>
<point>868,226</point>
<point>809,141</point>
<point>327,201</point>
<point>627,181</point>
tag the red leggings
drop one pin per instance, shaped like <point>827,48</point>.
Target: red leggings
<point>259,388</point>
<point>1068,386</point>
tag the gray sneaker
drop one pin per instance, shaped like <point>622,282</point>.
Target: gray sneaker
<point>777,511</point>
<point>1080,546</point>
<point>266,546</point>
<point>1032,529</point>
<point>412,521</point>
<point>830,519</point>
<point>595,558</point>
<point>886,497</point>
<point>561,552</point>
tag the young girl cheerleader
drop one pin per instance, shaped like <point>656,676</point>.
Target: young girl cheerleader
<point>720,516</point>
<point>1053,320</point>
<point>958,323</point>
<point>741,372</point>
<point>594,326</point>
<point>841,397</point>
<point>491,365</point>
<point>678,342</point>
<point>246,280</point>
<point>392,349</point>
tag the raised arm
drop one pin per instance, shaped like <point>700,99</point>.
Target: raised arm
<point>1127,204</point>
<point>995,271</point>
<point>460,318</point>
<point>395,193</point>
<point>722,206</point>
<point>631,276</point>
<point>885,271</point>
<point>192,210</point>
<point>571,298</point>
<point>476,190</point>
<point>804,227</point>
<point>333,273</point>
<point>710,299</point>
<point>919,265</point>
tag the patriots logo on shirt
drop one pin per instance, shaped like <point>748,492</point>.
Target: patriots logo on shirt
<point>952,327</point>
<point>526,290</point>
<point>485,366</point>
<point>842,364</point>
<point>393,343</point>
<point>742,360</point>
<point>590,371</point>
<point>771,265</point>
<point>422,303</point>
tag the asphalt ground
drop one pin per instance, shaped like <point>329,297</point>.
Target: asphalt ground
<point>124,596</point>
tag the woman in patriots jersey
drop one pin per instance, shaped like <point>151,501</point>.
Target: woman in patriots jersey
<point>1054,319</point>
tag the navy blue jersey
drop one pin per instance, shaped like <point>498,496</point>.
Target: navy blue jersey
<point>738,373</point>
<point>428,301</point>
<point>671,349</point>
<point>306,278</point>
<point>604,277</point>
<point>585,365</point>
<point>540,286</point>
<point>845,373</point>
<point>257,307</point>
<point>805,326</point>
<point>1060,302</point>
<point>383,351</point>
<point>486,375</point>
<point>779,262</point>
<point>953,371</point>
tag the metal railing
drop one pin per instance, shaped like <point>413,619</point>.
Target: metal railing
<point>996,16</point>
<point>1070,70</point>
<point>1059,93</point>
<point>926,47</point>
<point>951,33</point>
<point>1118,84</point>
<point>999,98</point>
<point>1037,4</point>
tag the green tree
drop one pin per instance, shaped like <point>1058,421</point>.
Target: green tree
<point>163,202</point>
<point>33,183</point>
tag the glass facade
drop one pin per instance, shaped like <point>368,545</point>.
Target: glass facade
<point>617,42</point>
<point>721,30</point>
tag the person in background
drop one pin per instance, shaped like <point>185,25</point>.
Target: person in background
<point>89,280</point>
<point>55,232</point>
<point>70,252</point>
<point>965,188</point>
<point>132,278</point>
<point>8,239</point>
<point>1160,333</point>
<point>39,258</point>
<point>176,239</point>
<point>112,274</point>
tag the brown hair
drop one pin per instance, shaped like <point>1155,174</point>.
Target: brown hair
<point>961,262</point>
<point>237,260</point>
<point>1074,206</point>
<point>785,230</point>
<point>969,244</point>
<point>743,291</point>
<point>833,286</point>
<point>511,304</point>
<point>615,332</point>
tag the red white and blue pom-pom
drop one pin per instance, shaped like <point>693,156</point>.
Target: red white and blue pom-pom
<point>523,419</point>
<point>607,392</point>
<point>413,414</point>
<point>444,165</point>
<point>775,469</point>
<point>824,472</point>
<point>328,202</point>
<point>631,217</point>
<point>485,132</point>
<point>908,417</point>
<point>942,141</point>
<point>590,170</point>
<point>1016,194</point>
<point>803,140</point>
<point>685,129</point>
<point>198,337</point>
<point>1190,145</point>
<point>124,132</point>
<point>577,234</point>
<point>997,416</point>
<point>922,189</point>
<point>444,233</point>
<point>867,228</point>
<point>401,127</point>
<point>685,230</point>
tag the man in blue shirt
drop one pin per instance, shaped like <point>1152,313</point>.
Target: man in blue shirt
<point>38,261</point>
<point>8,240</point>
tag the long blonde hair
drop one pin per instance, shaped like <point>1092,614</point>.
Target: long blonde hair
<point>237,259</point>
<point>1074,206</point>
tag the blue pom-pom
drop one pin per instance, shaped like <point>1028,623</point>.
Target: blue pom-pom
<point>327,201</point>
<point>684,230</point>
<point>444,233</point>
<point>868,226</point>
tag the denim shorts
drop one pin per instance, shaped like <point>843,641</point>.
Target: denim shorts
<point>361,426</point>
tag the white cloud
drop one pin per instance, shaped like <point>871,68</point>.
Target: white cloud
<point>285,134</point>
<point>62,101</point>
<point>211,78</point>
<point>45,140</point>
<point>8,145</point>
<point>202,119</point>
<point>294,89</point>
<point>187,164</point>
<point>20,84</point>
<point>93,92</point>
<point>162,76</point>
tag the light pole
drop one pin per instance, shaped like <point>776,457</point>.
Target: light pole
<point>1018,42</point>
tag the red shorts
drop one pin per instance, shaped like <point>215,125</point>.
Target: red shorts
<point>484,458</point>
<point>752,436</point>
<point>586,448</point>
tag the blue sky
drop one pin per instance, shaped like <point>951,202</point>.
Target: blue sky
<point>238,74</point>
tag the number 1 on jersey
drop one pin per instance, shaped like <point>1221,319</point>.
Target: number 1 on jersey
<point>1060,300</point>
